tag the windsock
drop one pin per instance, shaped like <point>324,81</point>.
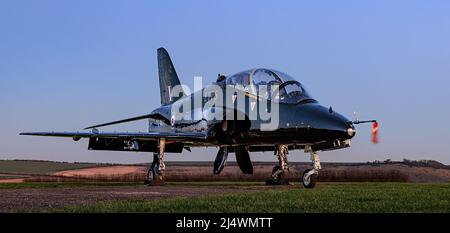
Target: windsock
<point>375,133</point>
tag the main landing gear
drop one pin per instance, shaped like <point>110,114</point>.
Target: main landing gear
<point>278,171</point>
<point>155,173</point>
<point>221,160</point>
<point>309,177</point>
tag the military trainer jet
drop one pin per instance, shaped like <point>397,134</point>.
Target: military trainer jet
<point>253,110</point>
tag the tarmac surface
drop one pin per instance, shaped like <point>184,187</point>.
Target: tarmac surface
<point>27,199</point>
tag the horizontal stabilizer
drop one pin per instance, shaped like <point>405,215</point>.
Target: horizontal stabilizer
<point>121,121</point>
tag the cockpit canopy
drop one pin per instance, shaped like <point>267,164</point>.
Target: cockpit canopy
<point>290,90</point>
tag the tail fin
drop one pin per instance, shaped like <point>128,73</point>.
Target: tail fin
<point>168,78</point>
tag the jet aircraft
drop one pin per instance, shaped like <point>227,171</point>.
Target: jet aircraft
<point>300,123</point>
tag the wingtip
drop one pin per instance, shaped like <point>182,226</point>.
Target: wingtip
<point>26,134</point>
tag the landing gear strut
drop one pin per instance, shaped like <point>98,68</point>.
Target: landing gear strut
<point>309,178</point>
<point>278,171</point>
<point>155,173</point>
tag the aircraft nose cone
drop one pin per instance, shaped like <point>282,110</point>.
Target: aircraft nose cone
<point>351,130</point>
<point>336,122</point>
<point>328,122</point>
<point>344,125</point>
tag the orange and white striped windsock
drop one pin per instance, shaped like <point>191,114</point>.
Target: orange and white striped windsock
<point>375,132</point>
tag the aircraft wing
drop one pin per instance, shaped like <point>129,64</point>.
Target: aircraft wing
<point>181,136</point>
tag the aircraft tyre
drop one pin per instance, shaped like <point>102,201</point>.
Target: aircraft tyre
<point>150,178</point>
<point>309,178</point>
<point>276,175</point>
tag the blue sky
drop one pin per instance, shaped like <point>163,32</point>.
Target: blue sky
<point>65,65</point>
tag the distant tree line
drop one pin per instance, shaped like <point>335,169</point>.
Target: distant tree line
<point>412,163</point>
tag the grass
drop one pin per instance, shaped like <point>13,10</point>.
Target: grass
<point>29,167</point>
<point>228,184</point>
<point>328,197</point>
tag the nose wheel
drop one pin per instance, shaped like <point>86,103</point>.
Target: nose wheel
<point>309,178</point>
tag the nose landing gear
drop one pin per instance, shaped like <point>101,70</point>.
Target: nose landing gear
<point>309,177</point>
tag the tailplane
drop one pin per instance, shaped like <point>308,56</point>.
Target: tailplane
<point>168,79</point>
